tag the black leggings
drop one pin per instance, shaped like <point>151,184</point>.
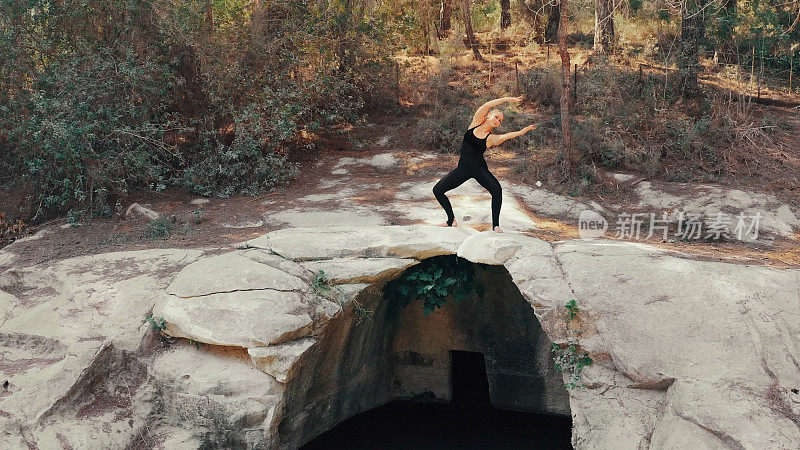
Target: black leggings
<point>457,177</point>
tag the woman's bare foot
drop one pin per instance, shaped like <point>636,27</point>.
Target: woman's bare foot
<point>498,229</point>
<point>455,224</point>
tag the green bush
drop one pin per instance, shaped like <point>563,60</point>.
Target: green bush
<point>98,98</point>
<point>244,166</point>
<point>93,127</point>
<point>433,281</point>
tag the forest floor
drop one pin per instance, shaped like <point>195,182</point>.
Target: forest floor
<point>387,180</point>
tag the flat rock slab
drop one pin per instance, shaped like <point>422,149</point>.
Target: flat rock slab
<point>417,242</point>
<point>231,272</point>
<point>244,319</point>
<point>385,162</point>
<point>686,353</point>
<point>489,247</point>
<point>278,262</point>
<point>359,270</point>
<point>774,215</point>
<point>549,203</point>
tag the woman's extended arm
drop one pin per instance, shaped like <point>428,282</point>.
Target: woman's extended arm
<point>497,139</point>
<point>480,114</point>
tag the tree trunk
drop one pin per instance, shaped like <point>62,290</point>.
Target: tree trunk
<point>444,15</point>
<point>688,52</point>
<point>552,28</point>
<point>209,16</point>
<point>724,44</point>
<point>426,32</point>
<point>505,14</point>
<point>470,34</point>
<point>604,26</point>
<point>343,54</point>
<point>566,86</point>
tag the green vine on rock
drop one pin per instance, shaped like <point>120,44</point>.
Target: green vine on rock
<point>433,281</point>
<point>567,357</point>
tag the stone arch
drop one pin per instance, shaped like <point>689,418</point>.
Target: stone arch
<point>400,353</point>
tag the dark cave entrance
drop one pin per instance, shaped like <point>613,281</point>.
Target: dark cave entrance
<point>404,424</point>
<point>470,383</point>
<point>474,373</point>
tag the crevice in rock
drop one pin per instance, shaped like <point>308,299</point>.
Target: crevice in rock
<point>561,268</point>
<point>658,385</point>
<point>727,439</point>
<point>240,290</point>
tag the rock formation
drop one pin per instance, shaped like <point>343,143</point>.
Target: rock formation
<point>271,343</point>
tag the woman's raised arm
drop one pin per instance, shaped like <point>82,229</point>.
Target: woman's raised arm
<point>480,114</point>
<point>497,139</point>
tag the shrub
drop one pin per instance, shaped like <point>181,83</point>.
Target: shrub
<point>244,166</point>
<point>93,128</point>
<point>98,98</point>
<point>451,113</point>
<point>433,281</point>
<point>541,85</point>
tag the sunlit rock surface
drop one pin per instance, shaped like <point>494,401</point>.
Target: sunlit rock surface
<point>687,354</point>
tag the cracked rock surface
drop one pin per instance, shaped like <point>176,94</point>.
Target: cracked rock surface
<point>687,353</point>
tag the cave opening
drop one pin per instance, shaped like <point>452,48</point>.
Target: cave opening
<point>470,383</point>
<point>473,371</point>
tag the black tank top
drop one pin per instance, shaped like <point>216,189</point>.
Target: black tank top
<point>472,149</point>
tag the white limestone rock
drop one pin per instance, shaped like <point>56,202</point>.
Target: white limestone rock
<point>136,211</point>
<point>417,242</point>
<point>774,216</point>
<point>243,319</point>
<point>278,360</point>
<point>385,163</point>
<point>231,272</point>
<point>549,203</point>
<point>359,270</point>
<point>489,247</point>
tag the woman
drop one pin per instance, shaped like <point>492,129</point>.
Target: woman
<point>471,163</point>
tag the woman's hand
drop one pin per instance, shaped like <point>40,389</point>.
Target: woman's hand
<point>529,128</point>
<point>515,99</point>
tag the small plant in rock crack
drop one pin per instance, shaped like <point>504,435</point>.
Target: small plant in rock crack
<point>321,286</point>
<point>572,308</point>
<point>568,359</point>
<point>157,325</point>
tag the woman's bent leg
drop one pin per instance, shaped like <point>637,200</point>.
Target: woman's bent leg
<point>490,183</point>
<point>452,180</point>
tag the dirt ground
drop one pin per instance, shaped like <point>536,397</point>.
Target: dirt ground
<point>217,222</point>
